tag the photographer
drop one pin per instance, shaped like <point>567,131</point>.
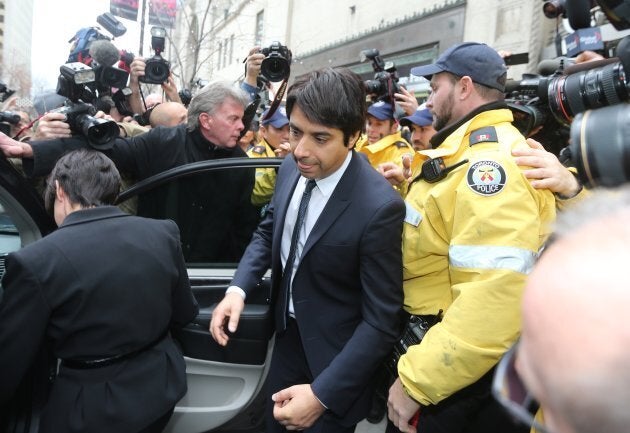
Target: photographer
<point>212,131</point>
<point>137,71</point>
<point>474,228</point>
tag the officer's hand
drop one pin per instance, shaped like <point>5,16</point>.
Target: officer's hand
<point>226,313</point>
<point>401,408</point>
<point>282,150</point>
<point>546,171</point>
<point>407,101</point>
<point>51,126</point>
<point>391,172</point>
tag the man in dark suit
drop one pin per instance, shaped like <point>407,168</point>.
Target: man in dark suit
<point>102,291</point>
<point>336,279</point>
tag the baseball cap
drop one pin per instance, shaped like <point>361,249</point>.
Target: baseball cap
<point>381,110</point>
<point>278,120</point>
<point>421,117</point>
<point>478,61</point>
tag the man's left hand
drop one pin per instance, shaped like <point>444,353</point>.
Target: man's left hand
<point>401,408</point>
<point>297,408</point>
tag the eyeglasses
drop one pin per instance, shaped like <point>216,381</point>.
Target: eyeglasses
<point>511,392</point>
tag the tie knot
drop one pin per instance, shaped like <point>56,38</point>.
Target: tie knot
<point>310,185</point>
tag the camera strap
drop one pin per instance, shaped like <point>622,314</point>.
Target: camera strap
<point>277,99</point>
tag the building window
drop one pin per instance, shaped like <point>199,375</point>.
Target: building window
<point>260,19</point>
<point>220,55</point>
<point>225,52</point>
<point>231,49</point>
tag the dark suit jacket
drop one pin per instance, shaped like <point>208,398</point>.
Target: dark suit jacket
<point>347,289</point>
<point>105,283</point>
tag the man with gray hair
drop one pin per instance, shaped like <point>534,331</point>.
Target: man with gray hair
<point>214,125</point>
<point>573,353</point>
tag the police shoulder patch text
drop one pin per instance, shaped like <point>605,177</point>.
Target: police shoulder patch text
<point>486,177</point>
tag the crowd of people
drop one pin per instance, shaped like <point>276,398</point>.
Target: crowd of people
<point>363,230</point>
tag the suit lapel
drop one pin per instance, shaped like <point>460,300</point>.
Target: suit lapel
<point>338,202</point>
<point>282,198</point>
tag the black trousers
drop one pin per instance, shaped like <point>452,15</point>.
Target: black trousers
<point>471,410</point>
<point>288,368</point>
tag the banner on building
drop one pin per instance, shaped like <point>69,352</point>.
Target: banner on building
<point>162,13</point>
<point>127,9</point>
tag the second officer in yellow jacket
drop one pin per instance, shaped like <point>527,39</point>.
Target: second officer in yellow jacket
<point>383,141</point>
<point>274,133</point>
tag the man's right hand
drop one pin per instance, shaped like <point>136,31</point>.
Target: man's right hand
<point>226,313</point>
<point>51,126</point>
<point>13,148</point>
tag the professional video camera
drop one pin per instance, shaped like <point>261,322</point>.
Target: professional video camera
<point>385,82</point>
<point>77,83</point>
<point>276,66</point>
<point>157,68</point>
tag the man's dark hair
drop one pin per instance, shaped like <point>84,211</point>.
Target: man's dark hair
<point>89,178</point>
<point>334,98</point>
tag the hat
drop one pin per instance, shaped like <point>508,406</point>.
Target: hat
<point>478,61</point>
<point>381,110</point>
<point>278,120</point>
<point>421,117</point>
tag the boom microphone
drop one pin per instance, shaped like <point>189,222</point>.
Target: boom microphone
<point>104,53</point>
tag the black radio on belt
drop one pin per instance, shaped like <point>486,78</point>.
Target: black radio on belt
<point>434,170</point>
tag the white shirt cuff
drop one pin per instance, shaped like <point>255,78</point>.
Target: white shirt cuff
<point>236,289</point>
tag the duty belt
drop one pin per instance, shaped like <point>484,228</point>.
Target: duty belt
<point>85,364</point>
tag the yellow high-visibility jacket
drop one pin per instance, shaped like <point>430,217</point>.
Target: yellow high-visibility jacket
<point>469,242</point>
<point>390,148</point>
<point>265,177</point>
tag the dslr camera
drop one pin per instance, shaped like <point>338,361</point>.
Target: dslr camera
<point>385,82</point>
<point>157,68</point>
<point>77,83</point>
<point>7,120</point>
<point>276,66</point>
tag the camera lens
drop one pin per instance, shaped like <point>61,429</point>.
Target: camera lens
<point>99,132</point>
<point>156,70</point>
<point>585,90</point>
<point>275,67</point>
<point>600,146</point>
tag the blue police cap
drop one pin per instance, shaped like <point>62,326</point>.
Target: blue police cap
<point>278,120</point>
<point>421,117</point>
<point>381,110</point>
<point>478,61</point>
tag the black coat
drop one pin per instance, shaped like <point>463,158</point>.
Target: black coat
<point>104,284</point>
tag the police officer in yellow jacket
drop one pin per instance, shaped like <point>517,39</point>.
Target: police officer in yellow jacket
<point>384,143</point>
<point>473,229</point>
<point>274,132</point>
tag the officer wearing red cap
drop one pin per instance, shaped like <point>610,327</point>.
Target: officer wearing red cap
<point>473,228</point>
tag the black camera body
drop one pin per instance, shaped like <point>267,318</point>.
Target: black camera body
<point>157,69</point>
<point>7,120</point>
<point>385,82</point>
<point>77,83</point>
<point>276,66</point>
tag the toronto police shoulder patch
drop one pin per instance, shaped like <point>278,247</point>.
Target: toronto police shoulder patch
<point>486,177</point>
